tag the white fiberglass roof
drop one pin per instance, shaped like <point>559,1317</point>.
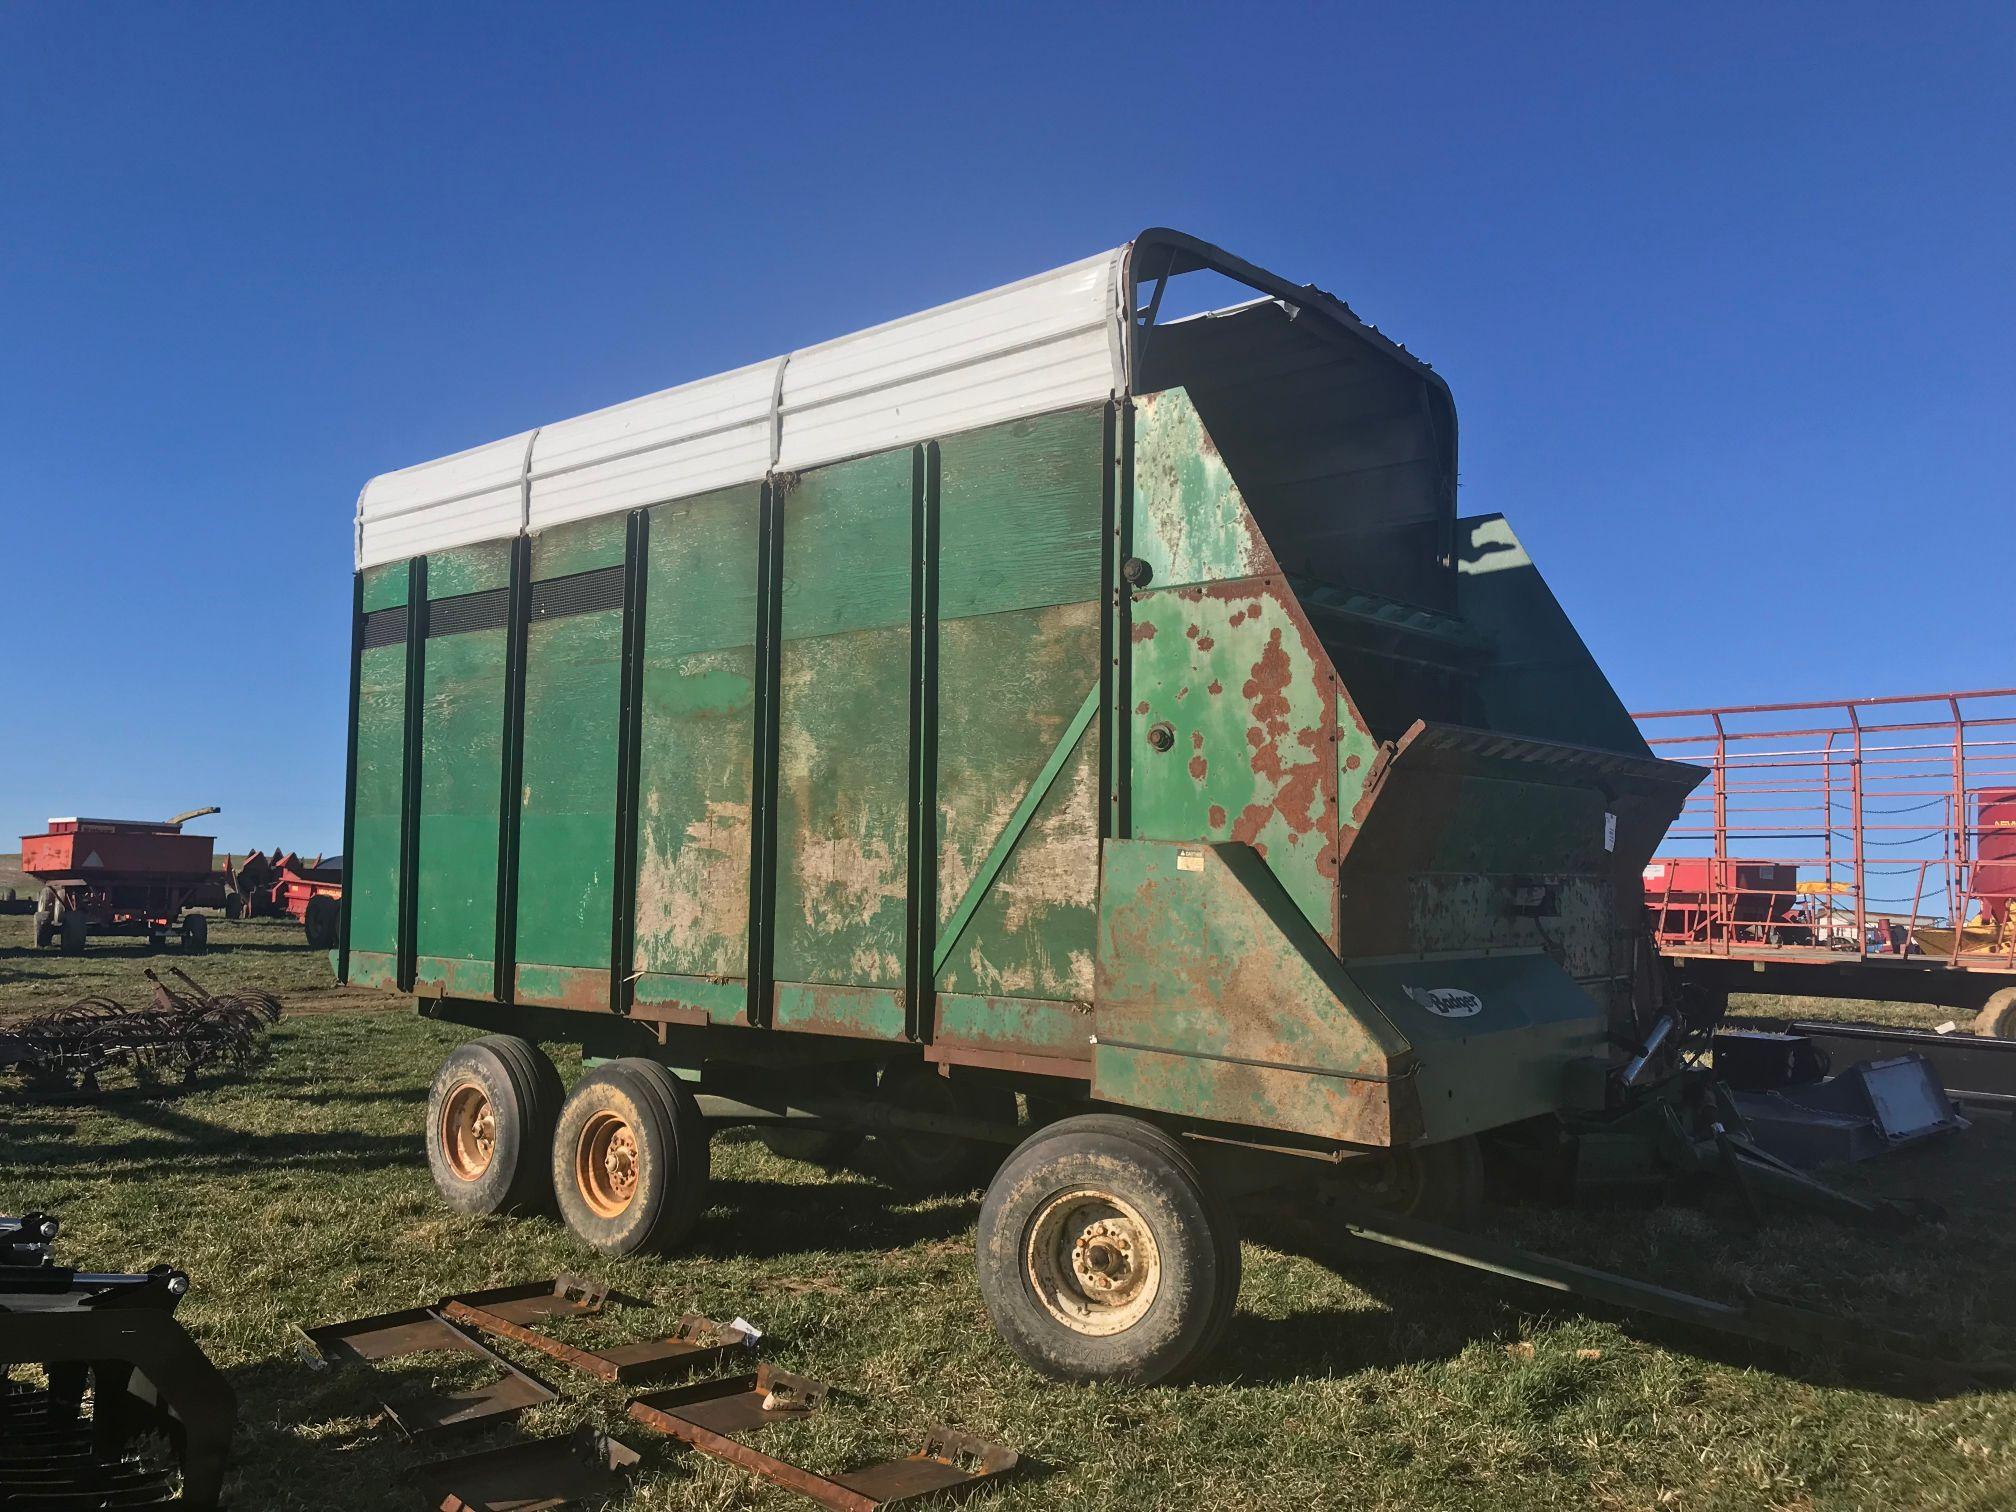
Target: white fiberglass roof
<point>1046,343</point>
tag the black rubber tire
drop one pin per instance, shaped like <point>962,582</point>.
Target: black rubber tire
<point>234,905</point>
<point>195,933</point>
<point>71,934</point>
<point>670,1139</point>
<point>1193,1231</point>
<point>1997,1018</point>
<point>319,922</point>
<point>523,1090</point>
<point>814,1146</point>
<point>925,1165</point>
<point>45,934</point>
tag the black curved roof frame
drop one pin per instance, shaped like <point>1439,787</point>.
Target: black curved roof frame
<point>1159,254</point>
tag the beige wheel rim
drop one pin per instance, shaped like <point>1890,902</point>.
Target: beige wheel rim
<point>468,1131</point>
<point>1092,1261</point>
<point>605,1164</point>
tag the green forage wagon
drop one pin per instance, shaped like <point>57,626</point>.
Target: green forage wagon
<point>1041,724</point>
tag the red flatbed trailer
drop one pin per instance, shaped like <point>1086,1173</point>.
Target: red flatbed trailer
<point>1858,848</point>
<point>121,876</point>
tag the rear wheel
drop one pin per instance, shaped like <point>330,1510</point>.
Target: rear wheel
<point>195,932</point>
<point>926,1164</point>
<point>1997,1018</point>
<point>490,1118</point>
<point>1104,1256</point>
<point>630,1159</point>
<point>71,934</point>
<point>320,922</point>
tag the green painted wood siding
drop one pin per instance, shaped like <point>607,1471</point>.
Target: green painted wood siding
<point>843,761</point>
<point>373,863</point>
<point>462,749</point>
<point>1018,650</point>
<point>567,817</point>
<point>696,744</point>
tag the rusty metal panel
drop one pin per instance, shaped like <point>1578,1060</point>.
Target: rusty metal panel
<point>1018,648</point>
<point>1235,731</point>
<point>1014,1025</point>
<point>1217,1000</point>
<point>567,841</point>
<point>697,737</point>
<point>843,757</point>
<point>462,748</point>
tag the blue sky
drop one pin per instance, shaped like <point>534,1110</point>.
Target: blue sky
<point>1724,294</point>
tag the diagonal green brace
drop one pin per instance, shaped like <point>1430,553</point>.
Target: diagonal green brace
<point>1011,833</point>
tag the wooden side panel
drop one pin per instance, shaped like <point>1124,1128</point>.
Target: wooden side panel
<point>843,764</point>
<point>373,865</point>
<point>567,826</point>
<point>462,751</point>
<point>1018,651</point>
<point>696,752</point>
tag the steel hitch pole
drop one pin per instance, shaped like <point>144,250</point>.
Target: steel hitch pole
<point>1761,1318</point>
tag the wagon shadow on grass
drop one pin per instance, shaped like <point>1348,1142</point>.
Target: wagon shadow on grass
<point>182,1143</point>
<point>1430,1312</point>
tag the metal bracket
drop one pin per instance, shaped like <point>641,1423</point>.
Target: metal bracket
<point>714,1416</point>
<point>530,1475</point>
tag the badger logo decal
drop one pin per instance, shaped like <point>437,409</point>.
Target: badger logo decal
<point>1449,1002</point>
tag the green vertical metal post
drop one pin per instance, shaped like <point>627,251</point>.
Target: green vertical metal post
<point>512,766</point>
<point>763,798</point>
<point>409,791</point>
<point>629,714</point>
<point>1117,503</point>
<point>923,867</point>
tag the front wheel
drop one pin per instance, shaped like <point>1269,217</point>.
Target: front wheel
<point>195,932</point>
<point>490,1120</point>
<point>630,1159</point>
<point>1104,1256</point>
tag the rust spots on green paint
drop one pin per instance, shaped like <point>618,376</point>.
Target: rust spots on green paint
<point>1191,524</point>
<point>826,1008</point>
<point>563,987</point>
<point>1215,687</point>
<point>1141,630</point>
<point>1217,816</point>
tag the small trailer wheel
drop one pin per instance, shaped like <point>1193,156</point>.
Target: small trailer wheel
<point>72,934</point>
<point>319,921</point>
<point>1103,1254</point>
<point>630,1159</point>
<point>45,934</point>
<point>925,1165</point>
<point>490,1116</point>
<point>195,932</point>
<point>1997,1018</point>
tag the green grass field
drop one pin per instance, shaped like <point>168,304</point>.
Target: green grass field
<point>301,1195</point>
